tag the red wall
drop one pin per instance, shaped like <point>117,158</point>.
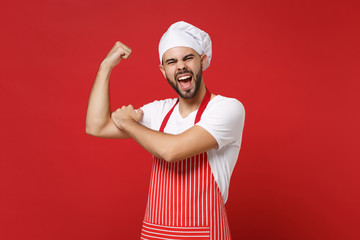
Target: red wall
<point>293,64</point>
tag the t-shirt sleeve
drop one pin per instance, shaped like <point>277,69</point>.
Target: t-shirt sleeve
<point>147,111</point>
<point>224,120</point>
<point>154,112</point>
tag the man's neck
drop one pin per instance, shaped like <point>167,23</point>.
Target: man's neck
<point>187,106</point>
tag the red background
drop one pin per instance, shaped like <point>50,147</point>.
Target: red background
<point>293,64</point>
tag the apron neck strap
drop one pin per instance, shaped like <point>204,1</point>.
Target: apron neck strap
<point>200,111</point>
<point>203,105</point>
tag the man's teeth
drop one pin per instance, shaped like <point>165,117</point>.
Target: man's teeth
<point>184,78</point>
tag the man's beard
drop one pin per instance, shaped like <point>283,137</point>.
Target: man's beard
<point>188,94</point>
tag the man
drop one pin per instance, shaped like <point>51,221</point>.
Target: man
<point>195,139</point>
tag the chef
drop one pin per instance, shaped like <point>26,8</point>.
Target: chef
<point>195,139</point>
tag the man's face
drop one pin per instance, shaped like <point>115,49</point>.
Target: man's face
<point>182,67</point>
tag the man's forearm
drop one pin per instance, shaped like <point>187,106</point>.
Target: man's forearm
<point>157,143</point>
<point>170,147</point>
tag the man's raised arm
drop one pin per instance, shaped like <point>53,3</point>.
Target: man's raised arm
<point>98,119</point>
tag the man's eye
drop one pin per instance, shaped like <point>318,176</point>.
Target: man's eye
<point>188,58</point>
<point>170,62</point>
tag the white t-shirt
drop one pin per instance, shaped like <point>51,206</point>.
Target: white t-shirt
<point>223,118</point>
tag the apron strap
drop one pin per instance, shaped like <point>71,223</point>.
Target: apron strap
<point>166,119</point>
<point>200,111</point>
<point>203,105</point>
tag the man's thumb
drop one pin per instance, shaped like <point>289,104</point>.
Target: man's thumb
<point>139,114</point>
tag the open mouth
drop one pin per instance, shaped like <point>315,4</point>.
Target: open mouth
<point>185,82</point>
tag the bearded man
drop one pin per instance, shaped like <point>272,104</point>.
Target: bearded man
<point>195,139</point>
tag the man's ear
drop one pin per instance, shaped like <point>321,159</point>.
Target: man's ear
<point>203,60</point>
<point>162,69</point>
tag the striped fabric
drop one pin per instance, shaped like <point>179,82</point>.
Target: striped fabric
<point>184,196</point>
<point>154,231</point>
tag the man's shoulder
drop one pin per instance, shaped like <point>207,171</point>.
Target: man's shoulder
<point>162,102</point>
<point>159,105</point>
<point>220,101</point>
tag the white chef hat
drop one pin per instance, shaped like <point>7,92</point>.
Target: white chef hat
<point>182,34</point>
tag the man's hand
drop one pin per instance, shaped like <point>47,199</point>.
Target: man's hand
<point>117,53</point>
<point>126,115</point>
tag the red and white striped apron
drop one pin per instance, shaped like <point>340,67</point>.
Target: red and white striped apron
<point>184,201</point>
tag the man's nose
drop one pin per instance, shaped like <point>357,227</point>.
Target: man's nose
<point>180,65</point>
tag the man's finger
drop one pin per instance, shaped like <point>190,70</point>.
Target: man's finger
<point>138,114</point>
<point>112,115</point>
<point>126,53</point>
<point>125,47</point>
<point>139,111</point>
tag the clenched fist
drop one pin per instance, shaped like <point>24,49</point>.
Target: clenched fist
<point>117,53</point>
<point>126,115</point>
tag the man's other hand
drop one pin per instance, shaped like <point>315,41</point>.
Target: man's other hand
<point>126,115</point>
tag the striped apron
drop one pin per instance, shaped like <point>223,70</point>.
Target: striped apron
<point>184,201</point>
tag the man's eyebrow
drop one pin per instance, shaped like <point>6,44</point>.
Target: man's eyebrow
<point>189,55</point>
<point>170,59</point>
